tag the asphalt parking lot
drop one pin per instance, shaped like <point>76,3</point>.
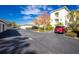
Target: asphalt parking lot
<point>25,42</point>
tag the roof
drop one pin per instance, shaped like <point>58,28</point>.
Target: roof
<point>4,21</point>
<point>62,8</point>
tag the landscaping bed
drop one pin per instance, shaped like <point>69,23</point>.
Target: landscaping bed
<point>71,34</point>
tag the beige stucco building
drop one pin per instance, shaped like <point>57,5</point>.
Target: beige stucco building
<point>59,15</point>
<point>26,26</point>
<point>3,25</point>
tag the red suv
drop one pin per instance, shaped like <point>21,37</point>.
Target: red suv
<point>59,29</point>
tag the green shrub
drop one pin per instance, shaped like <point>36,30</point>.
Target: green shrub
<point>35,30</point>
<point>76,29</point>
<point>34,27</point>
<point>49,27</point>
<point>69,29</point>
<point>71,34</point>
<point>59,24</point>
<point>28,28</point>
<point>74,25</point>
<point>41,29</point>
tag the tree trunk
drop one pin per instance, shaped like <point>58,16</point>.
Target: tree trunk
<point>44,27</point>
<point>38,27</point>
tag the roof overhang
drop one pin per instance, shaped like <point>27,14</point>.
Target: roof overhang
<point>3,21</point>
<point>65,7</point>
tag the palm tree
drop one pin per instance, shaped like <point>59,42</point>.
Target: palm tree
<point>74,21</point>
<point>71,16</point>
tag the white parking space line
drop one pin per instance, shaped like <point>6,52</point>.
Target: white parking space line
<point>30,39</point>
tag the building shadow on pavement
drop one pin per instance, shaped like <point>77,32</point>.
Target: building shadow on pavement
<point>9,33</point>
<point>15,46</point>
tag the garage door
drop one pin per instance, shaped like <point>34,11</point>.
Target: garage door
<point>0,27</point>
<point>3,27</point>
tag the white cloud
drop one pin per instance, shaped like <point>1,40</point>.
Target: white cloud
<point>26,17</point>
<point>35,9</point>
<point>30,22</point>
<point>59,5</point>
<point>44,7</point>
<point>31,10</point>
<point>50,9</point>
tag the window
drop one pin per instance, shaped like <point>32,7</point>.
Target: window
<point>3,27</point>
<point>57,14</point>
<point>57,20</point>
<point>60,19</point>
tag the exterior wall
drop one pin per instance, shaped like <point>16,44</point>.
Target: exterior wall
<point>0,26</point>
<point>3,28</point>
<point>62,17</point>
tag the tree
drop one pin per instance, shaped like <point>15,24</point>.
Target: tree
<point>43,20</point>
<point>38,22</point>
<point>74,15</point>
<point>13,24</point>
<point>46,20</point>
<point>71,16</point>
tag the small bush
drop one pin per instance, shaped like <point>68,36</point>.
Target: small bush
<point>35,30</point>
<point>34,27</point>
<point>69,29</point>
<point>59,24</point>
<point>41,30</point>
<point>28,28</point>
<point>71,34</point>
<point>49,28</point>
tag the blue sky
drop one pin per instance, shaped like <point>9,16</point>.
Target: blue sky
<point>23,14</point>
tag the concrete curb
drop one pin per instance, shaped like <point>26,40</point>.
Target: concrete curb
<point>71,37</point>
<point>45,32</point>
